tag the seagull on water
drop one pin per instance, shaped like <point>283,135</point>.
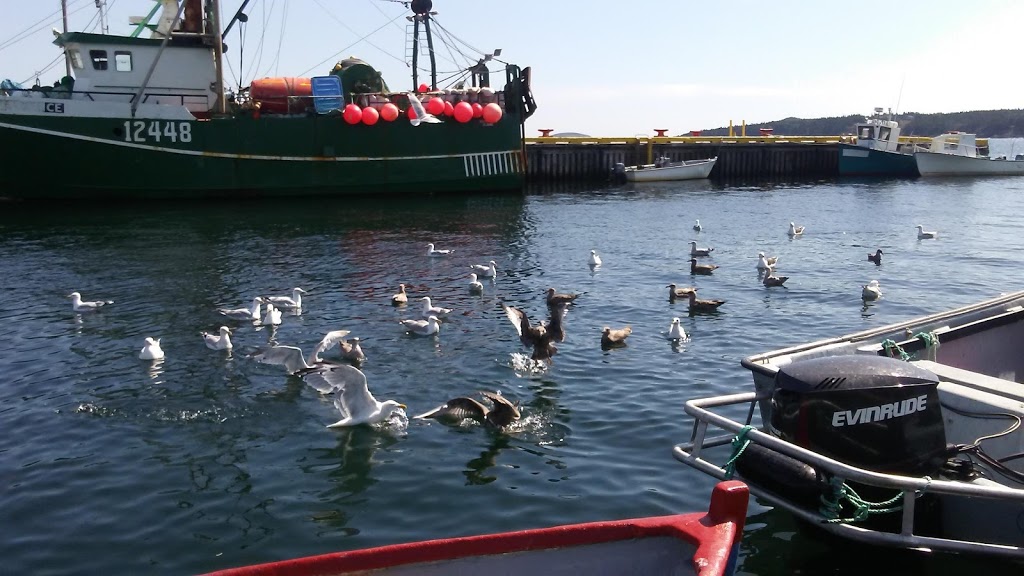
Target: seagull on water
<point>697,227</point>
<point>220,341</point>
<point>273,316</point>
<point>795,230</point>
<point>675,330</point>
<point>291,357</point>
<point>694,251</point>
<point>475,287</point>
<point>501,414</point>
<point>595,260</point>
<point>876,257</point>
<point>351,351</point>
<point>611,338</point>
<point>553,298</point>
<point>485,270</point>
<point>437,253</point>
<point>79,305</point>
<point>251,313</point>
<point>152,350</point>
<point>923,234</point>
<point>422,327</point>
<point>352,397</point>
<point>701,268</point>
<point>871,291</point>
<point>766,262</point>
<point>697,305</point>
<point>431,310</point>
<point>400,297</point>
<point>675,292</point>
<point>288,302</point>
<point>771,280</point>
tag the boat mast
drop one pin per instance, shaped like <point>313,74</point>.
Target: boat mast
<point>421,11</point>
<point>64,12</point>
<point>213,32</point>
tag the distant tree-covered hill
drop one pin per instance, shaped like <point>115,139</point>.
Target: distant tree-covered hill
<point>984,123</point>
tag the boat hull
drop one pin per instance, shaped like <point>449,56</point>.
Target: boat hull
<point>859,161</point>
<point>690,170</point>
<point>120,157</point>
<point>938,164</point>
<point>698,543</point>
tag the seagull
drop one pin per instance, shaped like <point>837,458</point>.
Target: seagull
<point>674,292</point>
<point>675,330</point>
<point>871,291</point>
<point>286,302</point>
<point>294,363</point>
<point>401,297</point>
<point>540,337</point>
<point>78,305</point>
<point>770,279</point>
<point>553,298</point>
<point>351,351</point>
<point>273,316</point>
<point>766,262</point>
<point>152,350</point>
<point>501,414</point>
<point>475,287</point>
<point>610,337</point>
<point>251,313</point>
<point>485,270</point>
<point>352,397</point>
<point>795,230</point>
<point>422,327</point>
<point>697,227</point>
<point>701,268</point>
<point>218,342</point>
<point>421,113</point>
<point>437,253</point>
<point>922,234</point>
<point>876,257</point>
<point>703,305</point>
<point>595,260</point>
<point>694,251</point>
<point>431,310</point>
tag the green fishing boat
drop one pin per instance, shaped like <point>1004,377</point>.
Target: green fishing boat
<point>149,118</point>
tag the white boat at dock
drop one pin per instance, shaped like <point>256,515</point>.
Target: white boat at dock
<point>907,435</point>
<point>956,154</point>
<point>665,170</point>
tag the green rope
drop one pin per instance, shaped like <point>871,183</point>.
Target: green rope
<point>890,346</point>
<point>929,338</point>
<point>832,504</point>
<point>739,444</point>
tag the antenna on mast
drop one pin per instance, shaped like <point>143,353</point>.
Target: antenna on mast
<point>101,5</point>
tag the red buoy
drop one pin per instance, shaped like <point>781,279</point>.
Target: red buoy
<point>448,109</point>
<point>435,106</point>
<point>423,88</point>
<point>478,110</point>
<point>370,115</point>
<point>389,112</point>
<point>352,114</point>
<point>492,113</point>
<point>463,112</point>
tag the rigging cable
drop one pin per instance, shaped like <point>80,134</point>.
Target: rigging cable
<point>349,46</point>
<point>364,38</point>
<point>38,26</point>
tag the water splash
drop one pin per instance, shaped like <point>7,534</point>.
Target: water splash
<point>525,366</point>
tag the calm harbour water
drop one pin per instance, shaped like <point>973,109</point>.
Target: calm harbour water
<point>208,460</point>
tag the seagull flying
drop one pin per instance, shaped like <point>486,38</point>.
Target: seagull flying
<point>291,356</point>
<point>78,305</point>
<point>540,337</point>
<point>421,113</point>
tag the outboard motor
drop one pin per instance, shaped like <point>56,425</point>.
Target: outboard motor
<point>619,173</point>
<point>871,412</point>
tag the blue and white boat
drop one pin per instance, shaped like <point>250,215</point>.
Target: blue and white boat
<point>877,152</point>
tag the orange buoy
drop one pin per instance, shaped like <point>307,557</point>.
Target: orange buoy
<point>282,95</point>
<point>463,112</point>
<point>492,113</point>
<point>370,115</point>
<point>389,112</point>
<point>352,114</point>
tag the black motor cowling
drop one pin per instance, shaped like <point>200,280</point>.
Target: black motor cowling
<point>866,411</point>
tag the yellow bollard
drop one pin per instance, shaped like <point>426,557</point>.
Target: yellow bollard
<point>744,128</point>
<point>730,129</point>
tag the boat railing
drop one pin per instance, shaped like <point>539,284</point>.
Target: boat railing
<point>58,94</point>
<point>908,488</point>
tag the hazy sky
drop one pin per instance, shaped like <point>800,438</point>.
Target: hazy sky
<point>623,68</point>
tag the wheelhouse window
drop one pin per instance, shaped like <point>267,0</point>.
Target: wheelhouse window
<point>99,59</point>
<point>865,132</point>
<point>884,133</point>
<point>76,59</point>
<point>123,61</point>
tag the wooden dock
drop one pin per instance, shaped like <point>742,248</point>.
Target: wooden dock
<point>576,159</point>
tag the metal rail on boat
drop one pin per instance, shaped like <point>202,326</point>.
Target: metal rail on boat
<point>911,488</point>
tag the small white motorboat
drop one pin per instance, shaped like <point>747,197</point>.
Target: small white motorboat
<point>666,170</point>
<point>906,435</point>
<point>956,154</point>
